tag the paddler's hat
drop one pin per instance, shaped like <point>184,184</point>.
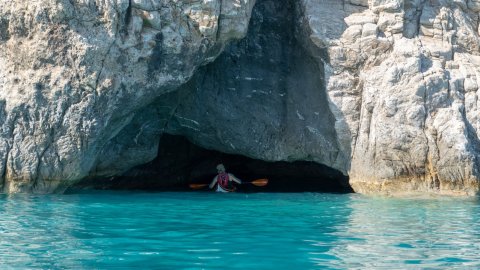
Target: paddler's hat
<point>220,168</point>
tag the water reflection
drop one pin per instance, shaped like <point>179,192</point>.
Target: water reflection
<point>393,232</point>
<point>37,231</point>
<point>237,231</point>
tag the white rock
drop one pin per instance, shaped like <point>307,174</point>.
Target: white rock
<point>401,79</point>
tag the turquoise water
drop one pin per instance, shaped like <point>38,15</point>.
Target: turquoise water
<point>237,231</point>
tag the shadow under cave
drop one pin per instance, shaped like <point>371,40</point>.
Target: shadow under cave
<point>179,163</point>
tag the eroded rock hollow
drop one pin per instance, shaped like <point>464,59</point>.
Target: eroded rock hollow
<point>180,163</point>
<point>384,91</point>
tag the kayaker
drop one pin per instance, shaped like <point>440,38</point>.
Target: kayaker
<point>224,180</point>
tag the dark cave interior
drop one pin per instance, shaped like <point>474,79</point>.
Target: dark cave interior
<point>180,163</point>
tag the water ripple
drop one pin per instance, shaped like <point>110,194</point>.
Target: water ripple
<point>237,231</point>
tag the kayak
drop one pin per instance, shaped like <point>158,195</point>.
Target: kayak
<point>259,183</point>
<point>220,189</point>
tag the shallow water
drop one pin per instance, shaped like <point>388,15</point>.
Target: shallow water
<point>243,231</point>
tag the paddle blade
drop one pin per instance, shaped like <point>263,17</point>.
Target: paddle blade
<point>198,186</point>
<point>260,182</point>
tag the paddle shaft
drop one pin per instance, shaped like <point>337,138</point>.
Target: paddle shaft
<point>258,182</point>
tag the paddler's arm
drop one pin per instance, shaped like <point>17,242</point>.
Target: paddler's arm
<point>235,179</point>
<point>213,182</point>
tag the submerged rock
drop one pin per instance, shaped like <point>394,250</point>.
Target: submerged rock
<point>384,91</point>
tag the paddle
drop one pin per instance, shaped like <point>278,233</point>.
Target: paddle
<point>258,183</point>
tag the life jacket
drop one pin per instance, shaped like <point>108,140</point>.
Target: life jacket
<point>224,182</point>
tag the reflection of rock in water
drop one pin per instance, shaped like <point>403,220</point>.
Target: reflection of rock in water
<point>389,232</point>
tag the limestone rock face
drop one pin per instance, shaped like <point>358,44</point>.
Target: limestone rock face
<point>402,81</point>
<point>73,73</point>
<point>385,91</point>
<point>264,98</point>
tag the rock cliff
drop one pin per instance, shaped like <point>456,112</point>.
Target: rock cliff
<point>74,72</point>
<point>401,78</point>
<point>385,91</point>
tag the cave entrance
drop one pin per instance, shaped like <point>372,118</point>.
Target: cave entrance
<point>179,163</point>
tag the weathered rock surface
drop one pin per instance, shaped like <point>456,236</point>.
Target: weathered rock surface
<point>384,91</point>
<point>73,73</point>
<point>402,80</point>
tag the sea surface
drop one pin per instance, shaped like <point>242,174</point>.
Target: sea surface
<point>201,230</point>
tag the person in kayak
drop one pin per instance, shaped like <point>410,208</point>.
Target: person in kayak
<point>224,180</point>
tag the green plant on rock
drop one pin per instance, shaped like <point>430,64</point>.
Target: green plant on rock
<point>146,23</point>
